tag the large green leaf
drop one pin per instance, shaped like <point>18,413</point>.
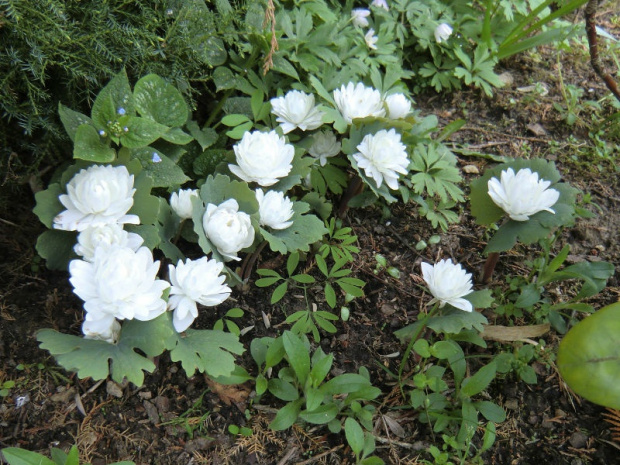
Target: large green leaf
<point>305,231</point>
<point>589,357</point>
<point>207,351</point>
<point>72,120</point>
<point>140,132</point>
<point>298,355</point>
<point>163,171</point>
<point>56,247</point>
<point>113,101</point>
<point>48,205</point>
<point>287,415</point>
<point>89,145</point>
<point>160,101</point>
<point>321,415</point>
<point>17,456</point>
<point>98,359</point>
<point>479,381</point>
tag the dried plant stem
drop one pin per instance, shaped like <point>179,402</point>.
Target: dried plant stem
<point>270,18</point>
<point>595,61</point>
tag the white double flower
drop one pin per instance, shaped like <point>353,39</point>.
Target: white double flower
<point>296,110</point>
<point>522,195</point>
<point>448,283</point>
<point>98,195</point>
<point>228,229</point>
<point>195,282</point>
<point>383,157</point>
<point>262,157</point>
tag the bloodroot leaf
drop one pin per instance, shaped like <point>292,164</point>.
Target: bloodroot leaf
<point>589,357</point>
<point>207,351</point>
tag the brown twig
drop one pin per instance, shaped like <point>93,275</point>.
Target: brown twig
<point>321,455</point>
<point>595,61</point>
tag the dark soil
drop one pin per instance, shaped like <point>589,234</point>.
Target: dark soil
<point>176,420</point>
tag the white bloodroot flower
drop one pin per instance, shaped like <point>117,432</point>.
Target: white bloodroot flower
<point>228,229</point>
<point>324,146</point>
<point>181,202</point>
<point>382,156</point>
<point>262,157</point>
<point>522,195</point>
<point>381,4</point>
<point>398,106</point>
<point>275,209</point>
<point>371,39</point>
<point>359,15</point>
<point>106,329</point>
<point>358,101</point>
<point>296,110</point>
<point>448,283</point>
<point>195,281</point>
<point>443,32</point>
<point>95,196</point>
<point>119,282</point>
<point>105,235</point>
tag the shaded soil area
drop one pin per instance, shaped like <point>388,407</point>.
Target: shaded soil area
<point>176,420</point>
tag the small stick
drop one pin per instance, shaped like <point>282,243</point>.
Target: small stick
<point>595,61</point>
<point>284,460</point>
<point>320,456</point>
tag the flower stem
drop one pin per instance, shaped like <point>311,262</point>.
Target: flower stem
<point>177,236</point>
<point>355,187</point>
<point>422,322</point>
<point>250,260</point>
<point>489,267</point>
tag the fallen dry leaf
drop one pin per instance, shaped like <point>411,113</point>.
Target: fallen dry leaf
<point>229,394</point>
<point>514,333</point>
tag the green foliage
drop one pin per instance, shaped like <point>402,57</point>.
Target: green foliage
<point>17,456</point>
<point>531,30</point>
<point>302,383</point>
<point>339,242</point>
<point>588,357</point>
<point>230,324</point>
<point>305,230</point>
<point>528,294</point>
<point>518,362</point>
<point>311,319</point>
<point>64,52</point>
<point>204,350</point>
<point>456,415</point>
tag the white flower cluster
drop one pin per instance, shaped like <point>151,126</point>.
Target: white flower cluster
<point>117,277</point>
<point>265,158</point>
<point>359,18</point>
<point>382,156</point>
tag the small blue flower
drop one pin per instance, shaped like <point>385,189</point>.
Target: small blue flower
<point>156,158</point>
<point>102,133</point>
<point>121,111</point>
<point>126,129</point>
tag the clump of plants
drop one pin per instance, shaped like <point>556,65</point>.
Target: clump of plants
<point>163,215</point>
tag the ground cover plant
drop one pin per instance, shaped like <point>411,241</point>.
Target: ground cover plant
<point>313,267</point>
